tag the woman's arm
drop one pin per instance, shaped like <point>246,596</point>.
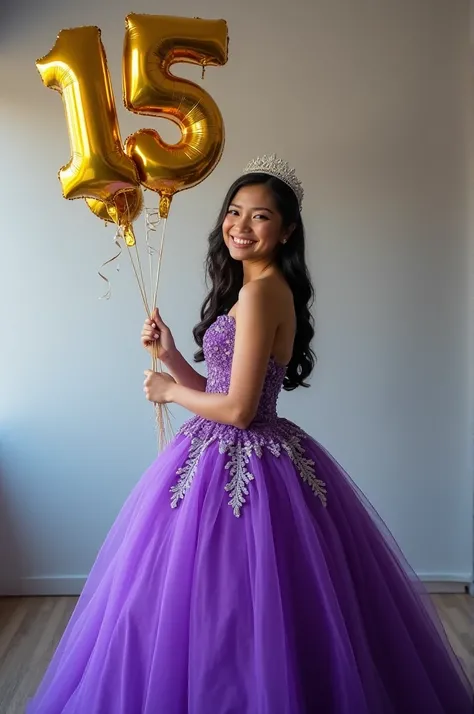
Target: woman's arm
<point>255,332</point>
<point>183,373</point>
<point>157,339</point>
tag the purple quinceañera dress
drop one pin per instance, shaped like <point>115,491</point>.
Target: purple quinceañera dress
<point>246,574</point>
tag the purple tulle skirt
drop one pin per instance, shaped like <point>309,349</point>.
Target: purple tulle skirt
<point>292,608</point>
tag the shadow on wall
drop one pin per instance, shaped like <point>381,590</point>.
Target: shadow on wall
<point>20,16</point>
<point>19,13</point>
<point>11,556</point>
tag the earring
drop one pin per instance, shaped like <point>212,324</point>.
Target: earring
<point>284,241</point>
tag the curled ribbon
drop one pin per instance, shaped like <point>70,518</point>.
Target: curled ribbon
<point>152,219</point>
<point>117,236</point>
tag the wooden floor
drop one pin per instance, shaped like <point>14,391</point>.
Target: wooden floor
<point>30,629</point>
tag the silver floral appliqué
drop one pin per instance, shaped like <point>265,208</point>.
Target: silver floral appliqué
<point>306,467</point>
<point>188,471</point>
<point>239,452</point>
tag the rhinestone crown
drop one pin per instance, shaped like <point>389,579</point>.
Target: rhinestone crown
<point>274,166</point>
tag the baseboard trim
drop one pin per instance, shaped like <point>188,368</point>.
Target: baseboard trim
<point>447,588</point>
<point>50,585</point>
<point>449,583</point>
<point>57,585</point>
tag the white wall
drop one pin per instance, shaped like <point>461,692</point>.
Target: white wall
<point>368,100</point>
<point>470,176</point>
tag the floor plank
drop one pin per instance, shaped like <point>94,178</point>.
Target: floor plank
<point>31,627</point>
<point>457,616</point>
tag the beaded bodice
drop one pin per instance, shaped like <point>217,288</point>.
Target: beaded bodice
<point>218,348</point>
<point>267,432</point>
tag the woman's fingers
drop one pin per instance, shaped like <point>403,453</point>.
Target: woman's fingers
<point>152,329</point>
<point>150,335</point>
<point>157,319</point>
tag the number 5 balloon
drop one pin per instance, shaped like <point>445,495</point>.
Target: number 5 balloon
<point>153,43</point>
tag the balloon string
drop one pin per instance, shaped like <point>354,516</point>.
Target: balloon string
<point>139,263</point>
<point>160,260</point>
<point>162,413</point>
<point>107,295</point>
<point>152,219</point>
<point>140,286</point>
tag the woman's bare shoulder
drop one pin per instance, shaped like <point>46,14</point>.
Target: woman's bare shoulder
<point>272,293</point>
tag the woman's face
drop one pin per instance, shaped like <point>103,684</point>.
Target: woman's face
<point>253,227</point>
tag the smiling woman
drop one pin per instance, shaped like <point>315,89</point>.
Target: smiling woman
<point>260,226</point>
<point>253,221</point>
<point>245,540</point>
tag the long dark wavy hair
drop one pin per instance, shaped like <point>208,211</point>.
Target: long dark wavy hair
<point>225,276</point>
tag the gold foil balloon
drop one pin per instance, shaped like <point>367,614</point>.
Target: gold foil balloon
<point>153,43</point>
<point>122,210</point>
<point>77,68</point>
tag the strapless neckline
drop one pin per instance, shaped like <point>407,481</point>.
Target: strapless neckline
<point>276,364</point>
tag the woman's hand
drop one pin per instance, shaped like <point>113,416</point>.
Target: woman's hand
<point>156,337</point>
<point>158,387</point>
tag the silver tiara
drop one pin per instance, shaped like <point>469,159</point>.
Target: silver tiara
<point>274,166</point>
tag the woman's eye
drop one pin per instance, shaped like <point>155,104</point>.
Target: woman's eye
<point>260,215</point>
<point>232,212</point>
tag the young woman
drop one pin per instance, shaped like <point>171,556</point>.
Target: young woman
<point>246,574</point>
